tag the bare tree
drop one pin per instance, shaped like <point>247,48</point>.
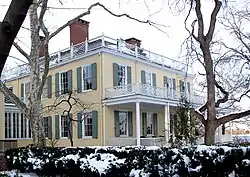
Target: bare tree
<point>200,47</point>
<point>33,109</point>
<point>68,105</point>
<point>10,26</point>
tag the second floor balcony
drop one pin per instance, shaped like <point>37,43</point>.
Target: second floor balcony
<point>151,91</point>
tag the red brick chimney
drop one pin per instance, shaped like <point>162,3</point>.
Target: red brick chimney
<point>41,52</point>
<point>133,41</point>
<point>79,31</point>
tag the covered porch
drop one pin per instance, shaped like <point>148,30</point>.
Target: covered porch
<point>138,121</point>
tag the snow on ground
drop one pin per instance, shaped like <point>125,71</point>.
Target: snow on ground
<point>14,174</point>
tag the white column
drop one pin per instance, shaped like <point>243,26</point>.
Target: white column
<point>138,126</point>
<point>167,122</point>
<point>11,123</point>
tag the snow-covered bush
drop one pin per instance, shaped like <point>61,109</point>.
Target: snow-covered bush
<point>197,161</point>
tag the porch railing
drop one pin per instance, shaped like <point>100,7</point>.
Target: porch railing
<point>152,91</point>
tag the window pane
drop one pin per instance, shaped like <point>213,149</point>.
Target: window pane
<point>64,82</point>
<point>123,123</point>
<point>87,77</point>
<point>64,126</point>
<point>122,78</point>
<point>150,124</point>
<point>87,124</point>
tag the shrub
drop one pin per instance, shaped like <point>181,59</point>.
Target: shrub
<point>197,161</point>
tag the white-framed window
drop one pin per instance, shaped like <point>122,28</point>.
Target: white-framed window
<point>26,91</point>
<point>149,78</point>
<point>46,126</point>
<point>87,77</point>
<point>184,86</point>
<point>150,125</point>
<point>87,124</point>
<point>64,126</point>
<point>122,75</point>
<point>17,126</point>
<point>64,82</point>
<point>123,123</point>
<point>45,90</point>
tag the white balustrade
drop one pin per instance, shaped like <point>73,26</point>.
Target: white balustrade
<point>148,90</point>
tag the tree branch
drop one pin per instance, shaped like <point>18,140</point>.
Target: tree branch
<point>210,32</point>
<point>232,116</point>
<point>200,21</point>
<point>13,98</point>
<point>226,94</point>
<point>22,51</point>
<point>88,12</point>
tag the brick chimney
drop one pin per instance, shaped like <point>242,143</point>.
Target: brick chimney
<point>41,51</point>
<point>133,41</point>
<point>79,31</point>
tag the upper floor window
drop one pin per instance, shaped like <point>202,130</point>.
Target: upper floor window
<point>45,89</point>
<point>6,98</point>
<point>148,78</point>
<point>46,126</point>
<point>184,86</point>
<point>25,91</point>
<point>87,77</point>
<point>122,75</point>
<point>64,81</point>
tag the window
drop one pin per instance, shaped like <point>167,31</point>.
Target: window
<point>148,77</point>
<point>16,126</point>
<point>26,91</point>
<point>123,123</point>
<point>150,124</point>
<point>122,75</point>
<point>64,80</point>
<point>64,127</point>
<point>45,89</point>
<point>87,77</point>
<point>87,124</point>
<point>46,126</point>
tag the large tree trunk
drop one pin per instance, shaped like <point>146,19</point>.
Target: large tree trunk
<point>10,26</point>
<point>210,129</point>
<point>35,94</point>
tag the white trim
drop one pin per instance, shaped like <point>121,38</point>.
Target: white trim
<point>60,84</point>
<point>135,97</point>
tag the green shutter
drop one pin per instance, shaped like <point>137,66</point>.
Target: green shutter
<point>70,124</point>
<point>165,81</point>
<point>130,124</point>
<point>70,80</point>
<point>49,82</point>
<point>144,124</point>
<point>57,91</point>
<point>57,135</point>
<point>49,127</point>
<point>94,124</point>
<point>117,127</point>
<point>143,77</point>
<point>155,124</point>
<point>154,79</point>
<point>115,74</point>
<point>174,84</point>
<point>129,76</point>
<point>188,87</point>
<point>94,76</point>
<point>79,125</point>
<point>180,85</point>
<point>79,79</point>
<point>22,92</point>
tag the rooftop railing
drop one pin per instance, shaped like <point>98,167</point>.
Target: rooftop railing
<point>82,49</point>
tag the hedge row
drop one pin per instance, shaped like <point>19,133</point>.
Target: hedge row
<point>199,161</point>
